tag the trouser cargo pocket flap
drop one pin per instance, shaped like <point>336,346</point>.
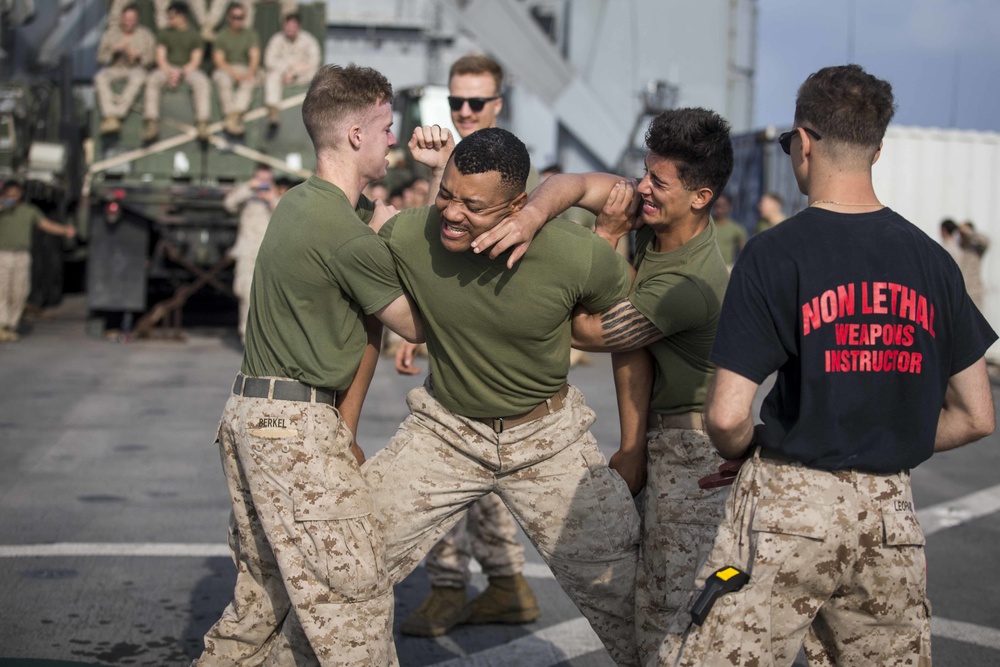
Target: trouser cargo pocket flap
<point>331,505</point>
<point>790,517</point>
<point>902,529</point>
<point>706,512</point>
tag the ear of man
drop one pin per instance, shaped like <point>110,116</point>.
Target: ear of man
<point>519,202</point>
<point>354,138</point>
<point>702,198</point>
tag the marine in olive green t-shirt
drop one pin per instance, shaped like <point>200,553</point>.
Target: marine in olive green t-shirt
<point>16,226</point>
<point>179,44</point>
<point>681,292</point>
<point>731,238</point>
<point>236,46</point>
<point>499,339</point>
<point>319,269</point>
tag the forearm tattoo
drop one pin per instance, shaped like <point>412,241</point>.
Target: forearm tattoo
<point>624,328</point>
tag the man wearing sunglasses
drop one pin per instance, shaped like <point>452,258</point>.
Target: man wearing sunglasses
<point>488,532</point>
<point>879,354</point>
<point>236,55</point>
<point>496,414</point>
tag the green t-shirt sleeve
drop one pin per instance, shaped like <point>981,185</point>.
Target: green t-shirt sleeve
<point>36,214</point>
<point>609,279</point>
<point>365,209</point>
<point>366,272</point>
<point>671,302</point>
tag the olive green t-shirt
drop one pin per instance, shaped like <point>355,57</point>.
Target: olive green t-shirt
<point>16,226</point>
<point>730,236</point>
<point>681,292</point>
<point>320,267</point>
<point>499,339</point>
<point>179,44</point>
<point>236,45</point>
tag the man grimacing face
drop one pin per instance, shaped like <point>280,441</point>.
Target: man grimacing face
<point>664,198</point>
<point>472,204</point>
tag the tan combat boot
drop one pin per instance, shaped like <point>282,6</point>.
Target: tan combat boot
<point>151,130</point>
<point>234,124</point>
<point>505,600</point>
<point>202,130</point>
<point>437,615</point>
<point>110,125</point>
<point>273,116</point>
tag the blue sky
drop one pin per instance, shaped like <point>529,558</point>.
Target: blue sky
<point>917,45</point>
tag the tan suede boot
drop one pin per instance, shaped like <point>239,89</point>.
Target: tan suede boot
<point>151,130</point>
<point>505,600</point>
<point>110,125</point>
<point>437,615</point>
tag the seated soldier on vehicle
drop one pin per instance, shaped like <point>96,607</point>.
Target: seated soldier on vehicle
<point>179,52</point>
<point>236,55</point>
<point>127,51</point>
<point>291,58</point>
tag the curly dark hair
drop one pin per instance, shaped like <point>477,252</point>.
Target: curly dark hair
<point>846,104</point>
<point>493,149</point>
<point>697,141</point>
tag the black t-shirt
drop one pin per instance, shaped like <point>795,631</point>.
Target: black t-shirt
<point>865,318</point>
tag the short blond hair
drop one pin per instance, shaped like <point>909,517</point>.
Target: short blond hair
<point>340,93</point>
<point>477,64</point>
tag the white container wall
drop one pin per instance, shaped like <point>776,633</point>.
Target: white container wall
<point>928,175</point>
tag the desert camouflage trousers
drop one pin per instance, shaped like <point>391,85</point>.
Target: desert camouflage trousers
<point>551,476</point>
<point>234,96</point>
<point>838,555</point>
<point>197,82</point>
<point>489,534</point>
<point>15,285</point>
<point>679,525</point>
<point>304,541</point>
<point>118,105</point>
<point>274,83</point>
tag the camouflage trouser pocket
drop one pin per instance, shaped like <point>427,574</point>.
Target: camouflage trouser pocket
<point>779,525</point>
<point>613,501</point>
<point>676,544</point>
<point>902,529</point>
<point>339,542</point>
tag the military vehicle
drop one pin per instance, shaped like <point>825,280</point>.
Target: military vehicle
<point>151,224</point>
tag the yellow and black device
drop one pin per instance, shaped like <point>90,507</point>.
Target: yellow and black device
<point>727,580</point>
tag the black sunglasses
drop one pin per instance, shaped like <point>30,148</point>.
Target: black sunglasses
<point>785,138</point>
<point>475,103</point>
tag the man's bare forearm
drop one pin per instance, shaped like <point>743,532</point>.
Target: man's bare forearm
<point>562,191</point>
<point>351,400</point>
<point>621,328</point>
